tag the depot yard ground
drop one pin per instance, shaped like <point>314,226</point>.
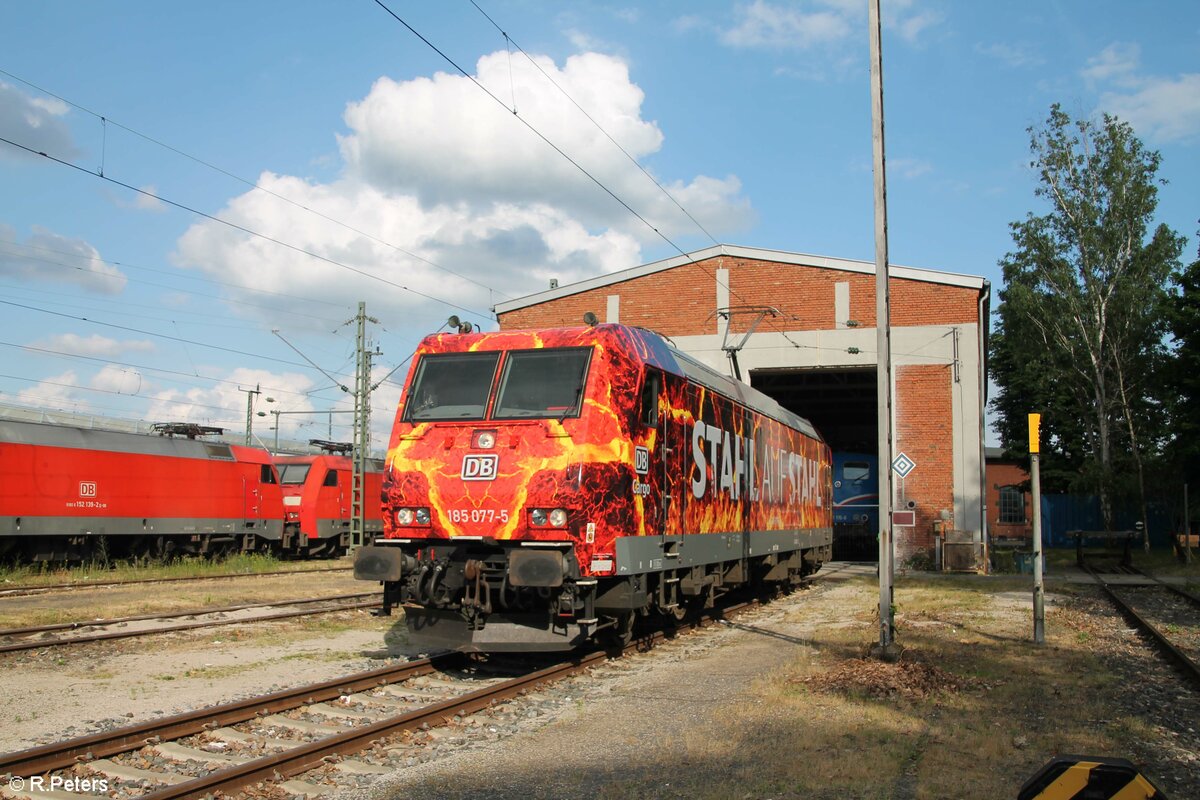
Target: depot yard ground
<point>779,704</point>
<point>785,705</point>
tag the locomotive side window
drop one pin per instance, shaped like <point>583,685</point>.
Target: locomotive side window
<point>651,387</point>
<point>854,471</point>
<point>330,478</point>
<point>542,383</point>
<point>266,475</point>
<point>451,386</point>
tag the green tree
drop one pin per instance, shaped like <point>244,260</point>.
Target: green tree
<point>1081,315</point>
<point>1183,382</point>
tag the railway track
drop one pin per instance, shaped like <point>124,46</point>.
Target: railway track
<point>33,589</point>
<point>276,737</point>
<point>1169,615</point>
<point>35,637</point>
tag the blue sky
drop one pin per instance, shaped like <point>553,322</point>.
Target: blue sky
<point>384,175</point>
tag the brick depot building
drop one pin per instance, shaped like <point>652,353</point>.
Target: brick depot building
<point>815,354</point>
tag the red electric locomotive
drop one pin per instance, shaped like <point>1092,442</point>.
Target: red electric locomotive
<point>317,502</point>
<point>543,487</point>
<point>75,493</point>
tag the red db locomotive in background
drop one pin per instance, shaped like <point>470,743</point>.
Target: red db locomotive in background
<point>317,496</point>
<point>70,494</point>
<point>542,487</point>
<point>75,494</point>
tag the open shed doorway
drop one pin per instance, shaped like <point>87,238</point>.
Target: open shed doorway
<point>841,404</point>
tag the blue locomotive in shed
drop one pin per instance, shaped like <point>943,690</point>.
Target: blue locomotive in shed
<point>855,506</point>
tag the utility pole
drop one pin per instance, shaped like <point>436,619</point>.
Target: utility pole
<point>250,395</point>
<point>1039,591</point>
<point>362,420</point>
<point>362,429</point>
<point>886,649</point>
<point>1187,527</point>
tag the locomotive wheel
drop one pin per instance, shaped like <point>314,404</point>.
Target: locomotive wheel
<point>617,636</point>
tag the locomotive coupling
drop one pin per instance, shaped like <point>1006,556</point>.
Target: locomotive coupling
<point>374,563</point>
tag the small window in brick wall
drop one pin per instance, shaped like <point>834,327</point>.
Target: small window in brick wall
<point>1012,506</point>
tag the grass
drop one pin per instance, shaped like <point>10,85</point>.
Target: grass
<point>191,567</point>
<point>84,604</point>
<point>1007,706</point>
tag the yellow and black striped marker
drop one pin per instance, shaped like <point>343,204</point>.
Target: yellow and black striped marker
<point>1089,778</point>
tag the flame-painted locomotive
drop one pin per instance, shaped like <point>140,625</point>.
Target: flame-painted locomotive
<point>543,487</point>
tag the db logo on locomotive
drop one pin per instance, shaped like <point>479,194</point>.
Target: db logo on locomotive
<point>477,467</point>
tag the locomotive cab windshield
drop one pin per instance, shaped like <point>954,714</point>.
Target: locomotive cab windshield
<point>542,383</point>
<point>452,386</point>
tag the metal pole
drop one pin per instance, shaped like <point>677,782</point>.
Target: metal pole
<point>362,431</point>
<point>1039,591</point>
<point>276,413</point>
<point>361,412</point>
<point>250,410</point>
<point>1187,527</point>
<point>883,372</point>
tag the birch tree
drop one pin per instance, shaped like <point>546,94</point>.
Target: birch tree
<point>1083,301</point>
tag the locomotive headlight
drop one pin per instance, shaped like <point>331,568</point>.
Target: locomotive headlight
<point>538,517</point>
<point>422,516</point>
<point>484,440</point>
<point>558,518</point>
<point>405,516</point>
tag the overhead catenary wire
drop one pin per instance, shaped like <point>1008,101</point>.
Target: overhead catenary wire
<point>556,148</point>
<point>210,315</point>
<point>235,226</point>
<point>591,119</point>
<point>43,382</point>
<point>106,121</point>
<point>173,273</point>
<point>152,333</point>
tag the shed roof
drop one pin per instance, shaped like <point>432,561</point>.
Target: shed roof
<point>735,251</point>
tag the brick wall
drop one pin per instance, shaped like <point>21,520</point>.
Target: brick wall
<point>1003,473</point>
<point>925,433</point>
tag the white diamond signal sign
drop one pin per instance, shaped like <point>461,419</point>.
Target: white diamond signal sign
<point>903,465</point>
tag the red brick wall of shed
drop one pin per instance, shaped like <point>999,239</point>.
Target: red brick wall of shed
<point>925,433</point>
<point>680,301</point>
<point>1001,473</point>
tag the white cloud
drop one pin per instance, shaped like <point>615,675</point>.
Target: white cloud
<point>120,380</point>
<point>762,24</point>
<point>909,167</point>
<point>1118,63</point>
<point>910,28</point>
<point>1159,108</point>
<point>57,391</point>
<point>95,345</point>
<point>48,257</point>
<point>144,202</point>
<point>224,404</point>
<point>1014,55</point>
<point>435,167</point>
<point>815,24</point>
<point>34,122</point>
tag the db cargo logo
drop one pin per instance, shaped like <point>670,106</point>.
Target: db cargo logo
<point>87,489</point>
<point>480,467</point>
<point>641,460</point>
